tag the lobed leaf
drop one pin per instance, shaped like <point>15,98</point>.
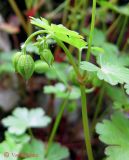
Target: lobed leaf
<point>115,133</point>
<point>22,119</point>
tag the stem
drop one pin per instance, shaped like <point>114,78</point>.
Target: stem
<point>79,56</point>
<point>31,133</point>
<point>98,107</point>
<point>85,123</point>
<point>91,30</point>
<point>18,13</point>
<point>31,36</point>
<point>122,31</point>
<point>56,124</point>
<point>61,44</point>
<point>126,45</point>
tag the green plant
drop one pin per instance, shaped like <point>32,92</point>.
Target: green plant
<point>20,144</point>
<point>110,68</point>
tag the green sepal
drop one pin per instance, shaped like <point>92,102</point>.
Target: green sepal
<point>25,66</point>
<point>47,56</point>
<point>15,59</point>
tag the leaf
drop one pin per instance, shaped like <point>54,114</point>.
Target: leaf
<point>60,91</point>
<point>60,32</point>
<point>119,9</point>
<point>12,144</point>
<point>115,133</point>
<point>98,36</point>
<point>108,71</point>
<point>42,23</point>
<point>6,68</point>
<point>35,149</point>
<point>120,100</point>
<point>126,86</point>
<point>22,119</point>
<point>68,36</point>
<point>57,152</point>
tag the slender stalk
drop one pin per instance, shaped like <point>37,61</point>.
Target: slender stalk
<point>19,15</point>
<point>79,56</point>
<point>56,124</point>
<point>122,31</point>
<point>126,45</point>
<point>98,107</point>
<point>30,38</point>
<point>71,59</point>
<point>91,30</point>
<point>31,133</point>
<point>85,123</point>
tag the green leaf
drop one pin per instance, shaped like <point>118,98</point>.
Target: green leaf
<point>12,145</point>
<point>98,36</point>
<point>36,150</point>
<point>127,88</point>
<point>120,100</point>
<point>22,119</point>
<point>6,68</point>
<point>36,147</point>
<point>60,91</point>
<point>57,152</point>
<point>108,71</point>
<point>115,133</point>
<point>60,32</point>
<point>119,9</point>
<point>42,23</point>
<point>68,36</point>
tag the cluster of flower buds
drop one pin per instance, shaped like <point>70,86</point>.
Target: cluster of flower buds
<point>25,65</point>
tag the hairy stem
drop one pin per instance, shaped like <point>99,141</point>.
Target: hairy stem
<point>91,30</point>
<point>85,123</point>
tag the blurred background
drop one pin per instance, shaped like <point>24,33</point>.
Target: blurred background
<point>15,27</point>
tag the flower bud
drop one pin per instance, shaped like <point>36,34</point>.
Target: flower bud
<point>47,56</point>
<point>15,59</point>
<point>41,66</point>
<point>25,66</point>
